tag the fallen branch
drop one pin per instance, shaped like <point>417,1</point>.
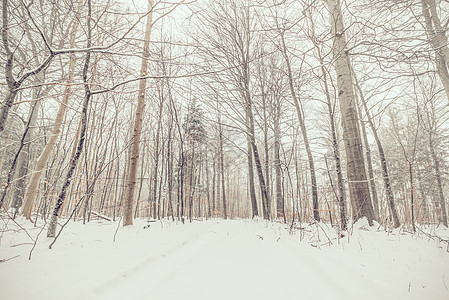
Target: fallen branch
<point>21,244</point>
<point>11,218</point>
<point>5,260</point>
<point>433,237</point>
<point>96,214</point>
<point>118,226</point>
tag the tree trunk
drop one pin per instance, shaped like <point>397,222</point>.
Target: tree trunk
<point>436,164</point>
<point>412,194</point>
<point>265,139</point>
<point>369,163</point>
<point>209,213</point>
<point>336,151</point>
<point>358,185</point>
<point>252,189</point>
<point>383,160</point>
<point>11,93</point>
<point>137,129</point>
<point>280,208</point>
<point>54,218</point>
<point>438,40</point>
<point>316,212</point>
<point>15,161</point>
<point>223,190</point>
<point>32,188</point>
<point>156,153</point>
<point>265,197</point>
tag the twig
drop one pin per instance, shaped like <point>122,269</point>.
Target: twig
<point>88,192</point>
<point>324,233</point>
<point>21,244</point>
<point>5,260</point>
<point>433,237</point>
<point>118,226</point>
<point>11,218</point>
<point>35,242</point>
<point>68,220</point>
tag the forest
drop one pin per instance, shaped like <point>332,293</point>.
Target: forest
<point>288,113</point>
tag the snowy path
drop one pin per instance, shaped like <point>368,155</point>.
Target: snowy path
<point>225,260</point>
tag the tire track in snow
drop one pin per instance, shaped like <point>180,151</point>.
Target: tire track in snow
<point>149,269</point>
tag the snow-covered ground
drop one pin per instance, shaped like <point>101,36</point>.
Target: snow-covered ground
<point>218,259</point>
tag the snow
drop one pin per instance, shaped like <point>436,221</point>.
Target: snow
<point>222,259</point>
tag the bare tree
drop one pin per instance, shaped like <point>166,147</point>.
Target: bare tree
<point>137,128</point>
<point>83,128</point>
<point>437,38</point>
<point>300,113</point>
<point>358,185</point>
<point>33,184</point>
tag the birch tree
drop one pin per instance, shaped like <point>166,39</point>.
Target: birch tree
<point>358,185</point>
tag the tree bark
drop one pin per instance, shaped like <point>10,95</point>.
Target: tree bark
<point>369,163</point>
<point>280,207</point>
<point>32,188</point>
<point>137,129</point>
<point>10,81</point>
<point>54,218</point>
<point>438,40</point>
<point>358,185</point>
<point>316,212</point>
<point>265,197</point>
<point>223,190</point>
<point>25,156</point>
<point>336,151</point>
<point>156,154</point>
<point>383,159</point>
<point>436,164</point>
<point>265,139</point>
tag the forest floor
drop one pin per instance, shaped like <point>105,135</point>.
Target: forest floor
<point>222,259</point>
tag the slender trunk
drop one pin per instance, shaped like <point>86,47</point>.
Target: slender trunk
<point>139,193</point>
<point>137,128</point>
<point>214,171</point>
<point>192,180</point>
<point>369,163</point>
<point>15,161</point>
<point>280,210</point>
<point>383,160</point>
<point>336,151</point>
<point>217,204</point>
<point>265,138</point>
<point>223,190</point>
<point>156,154</point>
<point>25,156</point>
<point>436,164</point>
<point>265,196</point>
<point>170,167</point>
<point>412,194</point>
<point>252,189</point>
<point>54,218</point>
<point>316,212</point>
<point>33,184</point>
<point>207,187</point>
<point>160,202</point>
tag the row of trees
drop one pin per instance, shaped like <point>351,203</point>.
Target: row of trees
<point>288,110</point>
